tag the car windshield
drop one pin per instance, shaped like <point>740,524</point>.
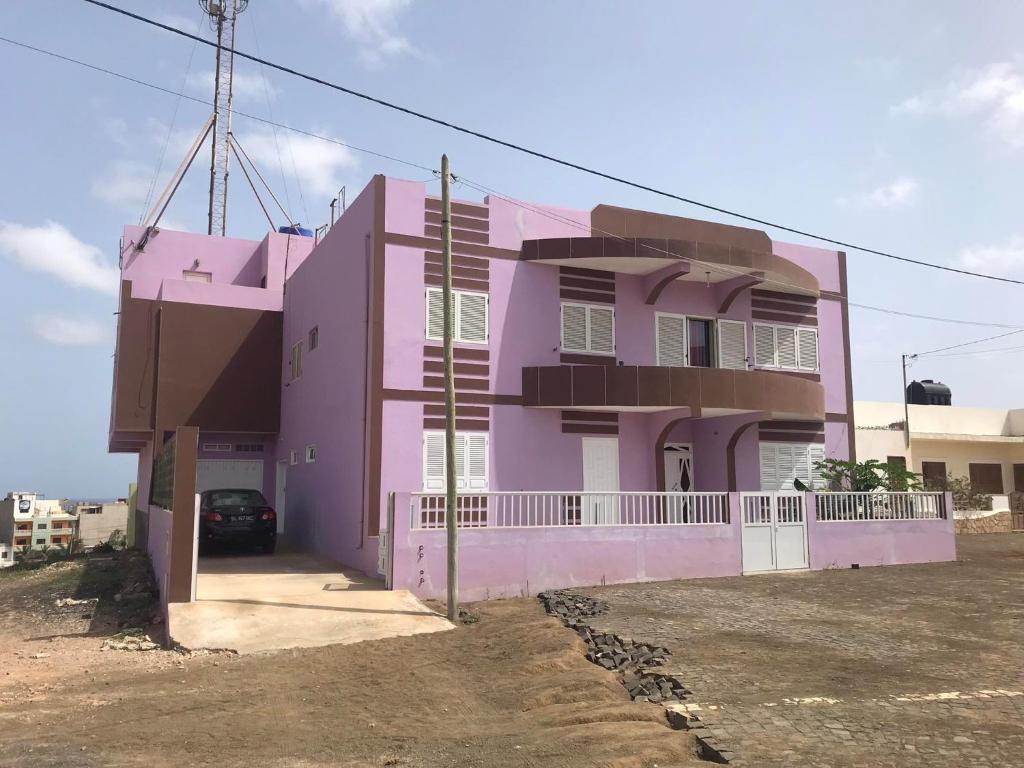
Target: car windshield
<point>234,498</point>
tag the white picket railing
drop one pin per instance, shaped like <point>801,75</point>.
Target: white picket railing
<point>911,505</point>
<point>558,509</point>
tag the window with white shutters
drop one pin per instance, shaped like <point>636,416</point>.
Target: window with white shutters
<point>785,346</point>
<point>782,463</point>
<point>588,328</point>
<point>470,311</point>
<point>732,344</point>
<point>471,461</point>
<point>671,339</point>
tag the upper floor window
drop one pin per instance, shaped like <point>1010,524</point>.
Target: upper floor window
<point>296,361</point>
<point>785,346</point>
<point>700,342</point>
<point>470,310</point>
<point>588,328</point>
<point>314,337</point>
<point>192,276</point>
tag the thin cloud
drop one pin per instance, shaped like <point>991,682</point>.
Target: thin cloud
<point>995,94</point>
<point>372,25</point>
<point>319,166</point>
<point>898,193</point>
<point>124,184</point>
<point>999,257</point>
<point>52,249</point>
<point>68,331</point>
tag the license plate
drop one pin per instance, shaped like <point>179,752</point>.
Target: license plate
<point>243,518</point>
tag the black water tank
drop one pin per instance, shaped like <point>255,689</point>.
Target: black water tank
<point>928,392</point>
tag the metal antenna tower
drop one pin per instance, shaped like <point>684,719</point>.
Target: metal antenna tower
<point>223,14</point>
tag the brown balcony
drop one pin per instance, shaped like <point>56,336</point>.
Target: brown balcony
<point>705,391</point>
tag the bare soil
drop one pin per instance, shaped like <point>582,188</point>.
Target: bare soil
<point>511,689</point>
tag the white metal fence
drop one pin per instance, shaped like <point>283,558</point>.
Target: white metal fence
<point>557,509</point>
<point>910,505</point>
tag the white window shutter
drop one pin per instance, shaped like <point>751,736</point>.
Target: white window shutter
<point>472,317</point>
<point>602,329</point>
<point>807,347</point>
<point>671,334</point>
<point>435,314</point>
<point>574,328</point>
<point>785,341</point>
<point>769,468</point>
<point>476,461</point>
<point>732,344</point>
<point>433,461</point>
<point>764,345</point>
<point>816,453</point>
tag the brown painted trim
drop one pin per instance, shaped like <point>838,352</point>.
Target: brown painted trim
<point>794,426</point>
<point>732,295</point>
<point>661,285</point>
<point>833,296</point>
<point>467,369</point>
<point>479,424</point>
<point>462,222</point>
<point>778,317</point>
<point>851,434</point>
<point>376,415</point>
<point>583,272</point>
<point>462,209</point>
<point>473,273</point>
<point>458,282</point>
<point>599,298</point>
<point>586,283</point>
<point>780,306</point>
<point>437,396</point>
<point>730,454</point>
<point>575,358</point>
<point>843,417</point>
<point>798,374</point>
<point>459,353</point>
<point>434,257</point>
<point>781,296</point>
<point>590,429</point>
<point>432,244</point>
<point>469,411</point>
<point>438,381</point>
<point>465,235</point>
<point>589,416</point>
<point>769,436</point>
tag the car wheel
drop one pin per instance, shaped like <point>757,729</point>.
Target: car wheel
<point>269,547</point>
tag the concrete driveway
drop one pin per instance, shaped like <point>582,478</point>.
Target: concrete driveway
<point>252,603</point>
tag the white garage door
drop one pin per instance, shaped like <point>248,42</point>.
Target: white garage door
<point>218,473</point>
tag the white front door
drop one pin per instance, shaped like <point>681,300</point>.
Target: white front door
<point>600,481</point>
<point>774,531</point>
<point>279,493</point>
<point>227,473</point>
<point>678,467</point>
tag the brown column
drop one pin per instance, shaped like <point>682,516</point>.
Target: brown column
<point>186,451</point>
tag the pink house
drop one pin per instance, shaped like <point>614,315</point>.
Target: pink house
<point>639,396</point>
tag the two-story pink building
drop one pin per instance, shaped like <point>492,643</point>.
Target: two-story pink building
<point>637,395</point>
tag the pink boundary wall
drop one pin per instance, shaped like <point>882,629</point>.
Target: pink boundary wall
<point>158,545</point>
<point>520,562</point>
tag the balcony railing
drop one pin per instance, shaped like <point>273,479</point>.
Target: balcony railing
<point>560,509</point>
<point>840,507</point>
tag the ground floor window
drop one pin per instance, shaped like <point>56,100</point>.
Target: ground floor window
<point>471,461</point>
<point>933,474</point>
<point>986,478</point>
<point>783,463</point>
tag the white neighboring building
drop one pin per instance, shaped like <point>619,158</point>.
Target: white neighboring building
<point>985,445</point>
<point>6,555</point>
<point>26,520</point>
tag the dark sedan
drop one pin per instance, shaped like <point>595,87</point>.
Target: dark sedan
<point>236,516</point>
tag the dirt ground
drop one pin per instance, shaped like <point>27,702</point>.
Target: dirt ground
<point>512,689</point>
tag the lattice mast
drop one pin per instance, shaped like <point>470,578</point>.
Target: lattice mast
<point>223,14</point>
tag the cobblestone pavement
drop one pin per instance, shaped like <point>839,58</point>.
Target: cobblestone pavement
<point>910,665</point>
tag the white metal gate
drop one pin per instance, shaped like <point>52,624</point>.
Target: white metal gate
<point>774,531</point>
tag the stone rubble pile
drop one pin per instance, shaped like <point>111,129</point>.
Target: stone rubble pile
<point>638,664</point>
<point>129,640</point>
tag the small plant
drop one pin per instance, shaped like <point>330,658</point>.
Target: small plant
<point>965,496</point>
<point>867,476</point>
<point>117,540</point>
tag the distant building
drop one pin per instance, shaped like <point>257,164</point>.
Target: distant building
<point>6,555</point>
<point>26,520</point>
<point>96,522</point>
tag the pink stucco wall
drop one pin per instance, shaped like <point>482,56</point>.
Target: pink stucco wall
<point>158,545</point>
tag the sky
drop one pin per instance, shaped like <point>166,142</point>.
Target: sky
<point>899,126</point>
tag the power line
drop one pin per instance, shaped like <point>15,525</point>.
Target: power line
<point>461,179</point>
<point>551,158</point>
<point>968,343</point>
<point>957,355</point>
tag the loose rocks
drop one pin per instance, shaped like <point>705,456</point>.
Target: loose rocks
<point>632,660</point>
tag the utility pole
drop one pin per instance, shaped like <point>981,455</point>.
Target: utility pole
<point>906,406</point>
<point>451,489</point>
